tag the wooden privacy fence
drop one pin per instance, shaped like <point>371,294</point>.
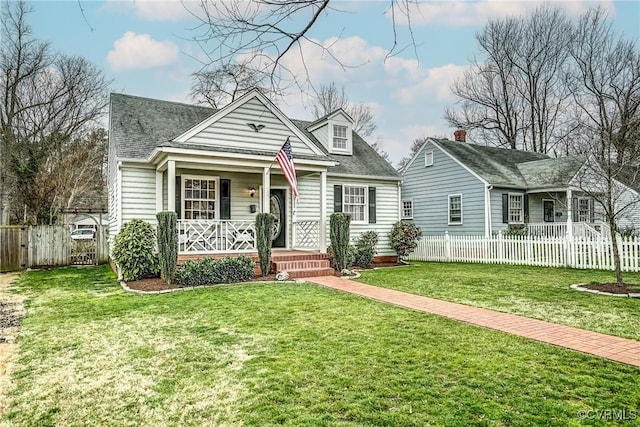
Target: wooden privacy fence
<point>575,252</point>
<point>48,245</point>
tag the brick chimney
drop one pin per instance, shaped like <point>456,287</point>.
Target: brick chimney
<point>460,135</point>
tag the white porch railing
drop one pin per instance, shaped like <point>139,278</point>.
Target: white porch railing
<point>559,229</point>
<point>547,229</point>
<point>216,236</point>
<point>307,234</point>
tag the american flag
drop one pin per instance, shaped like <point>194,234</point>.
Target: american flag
<point>285,160</point>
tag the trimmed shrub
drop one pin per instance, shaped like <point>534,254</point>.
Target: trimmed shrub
<point>264,238</point>
<point>365,249</point>
<point>167,244</point>
<point>339,224</point>
<point>209,271</point>
<point>350,257</point>
<point>404,237</point>
<point>133,250</point>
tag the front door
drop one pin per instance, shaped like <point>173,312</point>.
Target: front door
<point>277,206</point>
<point>549,211</point>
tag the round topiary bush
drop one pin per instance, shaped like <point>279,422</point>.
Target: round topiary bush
<point>133,250</point>
<point>404,237</point>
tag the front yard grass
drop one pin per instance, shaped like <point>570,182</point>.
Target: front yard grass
<point>285,354</point>
<point>536,292</point>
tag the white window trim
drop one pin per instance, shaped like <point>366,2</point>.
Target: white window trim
<point>201,177</point>
<point>366,202</point>
<point>332,149</point>
<point>554,210</point>
<point>428,158</point>
<point>589,203</point>
<point>521,208</point>
<point>402,216</point>
<point>449,209</point>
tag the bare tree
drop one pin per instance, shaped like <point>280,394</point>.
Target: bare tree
<point>515,94</point>
<point>263,32</point>
<point>223,85</point>
<point>44,93</point>
<point>330,99</point>
<point>416,145</point>
<point>606,88</point>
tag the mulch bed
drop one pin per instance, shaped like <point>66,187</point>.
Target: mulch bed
<point>155,284</point>
<point>613,288</point>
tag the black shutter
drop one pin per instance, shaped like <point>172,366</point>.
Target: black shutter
<point>372,205</point>
<point>179,196</point>
<point>574,208</point>
<point>225,199</point>
<point>505,208</point>
<point>337,198</point>
<point>526,207</point>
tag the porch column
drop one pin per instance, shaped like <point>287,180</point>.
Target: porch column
<point>569,213</point>
<point>323,212</point>
<point>266,189</point>
<point>158,191</point>
<point>171,185</point>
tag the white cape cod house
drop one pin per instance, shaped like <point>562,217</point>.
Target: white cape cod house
<point>216,170</point>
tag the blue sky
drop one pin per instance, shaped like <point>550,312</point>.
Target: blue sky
<point>144,46</point>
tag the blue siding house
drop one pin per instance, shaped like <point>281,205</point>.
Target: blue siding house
<point>467,189</point>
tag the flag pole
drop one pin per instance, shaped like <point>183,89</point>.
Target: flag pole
<point>274,159</point>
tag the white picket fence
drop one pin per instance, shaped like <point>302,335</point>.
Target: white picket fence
<point>575,252</point>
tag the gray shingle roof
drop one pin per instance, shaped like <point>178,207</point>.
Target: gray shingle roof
<point>139,125</point>
<point>551,173</point>
<point>497,166</point>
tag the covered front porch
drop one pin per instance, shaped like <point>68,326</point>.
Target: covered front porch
<point>217,197</point>
<point>564,212</point>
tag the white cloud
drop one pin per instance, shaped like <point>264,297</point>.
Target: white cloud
<point>139,51</point>
<point>463,13</point>
<point>155,10</point>
<point>435,84</point>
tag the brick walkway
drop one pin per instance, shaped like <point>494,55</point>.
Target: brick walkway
<point>609,347</point>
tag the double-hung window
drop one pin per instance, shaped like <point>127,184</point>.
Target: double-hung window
<point>407,209</point>
<point>200,198</point>
<point>516,207</point>
<point>340,137</point>
<point>584,210</point>
<point>455,209</point>
<point>355,202</point>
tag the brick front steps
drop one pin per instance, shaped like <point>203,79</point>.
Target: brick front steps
<point>299,264</point>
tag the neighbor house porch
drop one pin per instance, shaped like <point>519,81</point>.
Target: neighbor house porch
<point>563,212</point>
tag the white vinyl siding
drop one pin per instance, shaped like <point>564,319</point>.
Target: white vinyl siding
<point>387,209</point>
<point>138,194</point>
<point>455,209</point>
<point>232,131</point>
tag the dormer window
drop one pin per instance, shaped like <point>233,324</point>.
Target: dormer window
<point>340,137</point>
<point>335,132</point>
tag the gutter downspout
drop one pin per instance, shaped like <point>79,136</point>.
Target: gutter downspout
<point>487,210</point>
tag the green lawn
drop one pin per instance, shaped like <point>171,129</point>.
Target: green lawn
<point>292,354</point>
<point>538,292</point>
